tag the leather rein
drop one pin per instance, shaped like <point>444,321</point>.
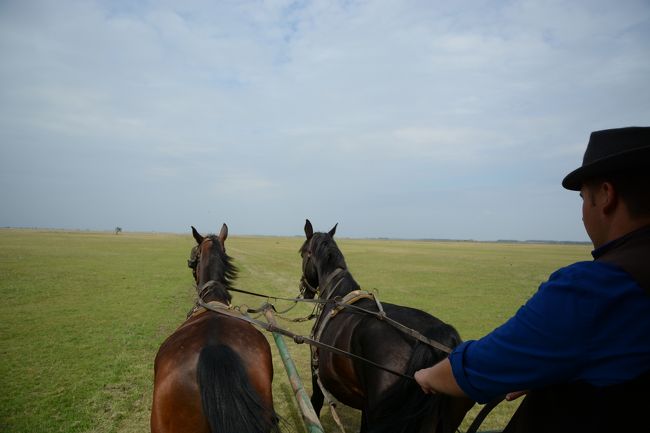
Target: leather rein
<point>234,312</point>
<point>304,285</point>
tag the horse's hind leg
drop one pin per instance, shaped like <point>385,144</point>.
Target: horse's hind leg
<point>317,396</point>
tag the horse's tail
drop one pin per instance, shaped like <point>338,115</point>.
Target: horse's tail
<point>407,409</point>
<point>229,401</point>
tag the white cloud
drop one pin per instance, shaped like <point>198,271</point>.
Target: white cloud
<point>273,97</point>
<point>244,185</point>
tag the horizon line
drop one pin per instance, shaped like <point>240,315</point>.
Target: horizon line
<point>380,238</point>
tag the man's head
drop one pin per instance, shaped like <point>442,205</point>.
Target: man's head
<point>614,181</point>
<point>619,151</point>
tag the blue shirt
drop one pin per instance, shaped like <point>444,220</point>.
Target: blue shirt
<point>589,322</point>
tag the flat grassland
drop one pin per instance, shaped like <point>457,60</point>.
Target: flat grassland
<point>82,314</point>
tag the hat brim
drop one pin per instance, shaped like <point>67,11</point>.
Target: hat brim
<point>630,161</point>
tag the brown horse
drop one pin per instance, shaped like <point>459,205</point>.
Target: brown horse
<point>389,403</point>
<point>214,373</point>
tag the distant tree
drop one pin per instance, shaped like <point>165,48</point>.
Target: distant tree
<point>118,230</point>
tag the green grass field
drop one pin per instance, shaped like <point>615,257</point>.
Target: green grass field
<point>82,313</point>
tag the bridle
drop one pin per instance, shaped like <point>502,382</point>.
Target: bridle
<point>193,263</point>
<point>305,287</point>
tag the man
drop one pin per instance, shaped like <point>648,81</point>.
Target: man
<point>580,347</point>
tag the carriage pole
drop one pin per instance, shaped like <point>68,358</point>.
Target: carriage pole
<point>309,416</point>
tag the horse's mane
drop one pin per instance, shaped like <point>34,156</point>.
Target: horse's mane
<point>230,271</point>
<point>226,270</point>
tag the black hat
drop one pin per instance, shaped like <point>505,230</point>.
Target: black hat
<point>622,150</point>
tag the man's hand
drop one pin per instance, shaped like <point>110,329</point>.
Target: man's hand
<point>421,377</point>
<point>515,395</point>
<point>438,378</point>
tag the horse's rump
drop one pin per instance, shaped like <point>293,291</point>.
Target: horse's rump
<point>396,404</point>
<point>405,408</point>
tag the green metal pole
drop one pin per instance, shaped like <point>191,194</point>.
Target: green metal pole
<point>309,417</point>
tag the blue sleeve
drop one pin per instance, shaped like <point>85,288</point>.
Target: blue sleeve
<point>538,346</point>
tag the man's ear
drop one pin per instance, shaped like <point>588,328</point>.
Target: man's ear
<point>608,197</point>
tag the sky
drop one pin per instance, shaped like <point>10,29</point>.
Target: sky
<point>398,119</point>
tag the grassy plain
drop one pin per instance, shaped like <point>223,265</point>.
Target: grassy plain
<point>82,313</point>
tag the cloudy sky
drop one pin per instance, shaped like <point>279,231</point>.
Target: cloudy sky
<point>406,119</point>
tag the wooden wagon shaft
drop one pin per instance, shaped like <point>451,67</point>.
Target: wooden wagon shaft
<point>309,416</point>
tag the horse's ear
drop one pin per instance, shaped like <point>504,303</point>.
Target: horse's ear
<point>196,235</point>
<point>223,234</point>
<point>309,230</point>
<point>331,232</point>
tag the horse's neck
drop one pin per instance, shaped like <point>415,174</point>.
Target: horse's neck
<point>216,291</point>
<point>338,282</point>
<point>211,296</point>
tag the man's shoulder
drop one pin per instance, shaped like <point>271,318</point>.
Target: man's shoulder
<point>587,269</point>
<point>589,277</point>
<point>630,253</point>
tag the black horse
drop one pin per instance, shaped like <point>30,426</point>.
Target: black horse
<point>389,403</point>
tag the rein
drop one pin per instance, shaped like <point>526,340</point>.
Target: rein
<point>279,298</point>
<point>299,339</point>
<point>381,315</point>
<point>236,313</point>
<point>338,303</point>
<point>263,295</point>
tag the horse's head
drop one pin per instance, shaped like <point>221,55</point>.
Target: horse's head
<point>312,257</point>
<point>212,268</point>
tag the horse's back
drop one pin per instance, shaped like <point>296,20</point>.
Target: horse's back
<point>211,329</point>
<point>378,335</point>
<point>425,323</point>
<point>367,336</point>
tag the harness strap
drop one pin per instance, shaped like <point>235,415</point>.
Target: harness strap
<point>405,329</point>
<point>329,279</point>
<point>332,402</point>
<point>349,299</point>
<point>356,295</point>
<point>199,309</point>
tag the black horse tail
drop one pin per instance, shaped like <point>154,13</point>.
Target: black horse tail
<point>230,404</point>
<point>406,408</point>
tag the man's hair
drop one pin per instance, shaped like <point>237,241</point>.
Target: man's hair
<point>632,188</point>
